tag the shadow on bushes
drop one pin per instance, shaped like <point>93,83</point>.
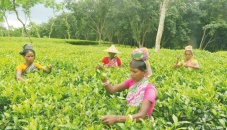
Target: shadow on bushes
<point>82,42</point>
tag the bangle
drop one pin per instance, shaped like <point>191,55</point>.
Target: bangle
<point>105,83</point>
<point>131,117</point>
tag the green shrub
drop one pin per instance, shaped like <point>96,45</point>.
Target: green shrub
<point>72,97</point>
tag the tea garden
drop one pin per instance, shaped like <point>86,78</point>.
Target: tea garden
<point>72,96</point>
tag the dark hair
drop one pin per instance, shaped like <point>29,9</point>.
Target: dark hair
<point>139,64</point>
<point>190,51</point>
<point>24,52</point>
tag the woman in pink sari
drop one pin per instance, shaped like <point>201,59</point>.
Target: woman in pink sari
<point>141,94</point>
<point>112,60</point>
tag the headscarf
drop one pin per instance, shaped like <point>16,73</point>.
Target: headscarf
<point>142,54</point>
<point>189,47</point>
<point>26,47</point>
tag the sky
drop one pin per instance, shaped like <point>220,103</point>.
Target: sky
<point>39,14</point>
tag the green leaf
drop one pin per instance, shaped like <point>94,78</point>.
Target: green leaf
<point>175,120</point>
<point>222,122</point>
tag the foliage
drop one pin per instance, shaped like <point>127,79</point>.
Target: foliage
<point>82,42</point>
<point>72,96</point>
<point>130,22</point>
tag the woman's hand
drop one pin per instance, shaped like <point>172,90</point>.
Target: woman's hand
<point>178,57</point>
<point>50,66</point>
<point>48,71</point>
<point>99,67</point>
<point>109,120</point>
<point>176,64</point>
<point>22,79</point>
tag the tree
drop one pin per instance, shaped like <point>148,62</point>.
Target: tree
<point>94,12</point>
<point>26,5</point>
<point>6,6</point>
<point>65,19</point>
<point>163,7</point>
<point>23,23</point>
<point>141,18</point>
<point>213,23</point>
<point>52,20</point>
<point>209,33</point>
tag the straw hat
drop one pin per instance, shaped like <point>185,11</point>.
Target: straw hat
<point>112,49</point>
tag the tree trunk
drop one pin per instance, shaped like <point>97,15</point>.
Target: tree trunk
<point>204,35</point>
<point>34,26</point>
<point>161,25</point>
<point>25,30</point>
<point>7,22</point>
<point>51,28</point>
<point>143,37</point>
<point>68,27</point>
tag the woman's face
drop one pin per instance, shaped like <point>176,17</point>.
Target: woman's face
<point>188,55</point>
<point>29,57</point>
<point>136,74</point>
<point>111,55</point>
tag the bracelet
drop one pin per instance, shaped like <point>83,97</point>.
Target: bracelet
<point>105,83</point>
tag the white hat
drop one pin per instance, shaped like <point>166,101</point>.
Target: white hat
<point>112,49</point>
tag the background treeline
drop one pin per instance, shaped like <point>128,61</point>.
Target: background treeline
<point>201,23</point>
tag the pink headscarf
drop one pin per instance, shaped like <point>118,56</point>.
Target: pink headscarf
<point>189,47</point>
<point>142,54</point>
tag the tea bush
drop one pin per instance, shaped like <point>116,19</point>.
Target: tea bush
<point>72,96</point>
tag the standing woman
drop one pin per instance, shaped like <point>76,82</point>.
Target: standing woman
<point>112,59</point>
<point>141,94</point>
<point>189,61</point>
<point>29,66</point>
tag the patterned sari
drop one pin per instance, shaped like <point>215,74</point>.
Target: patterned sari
<point>29,69</point>
<point>112,62</point>
<point>136,93</point>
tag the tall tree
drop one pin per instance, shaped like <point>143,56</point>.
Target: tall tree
<point>94,12</point>
<point>141,17</point>
<point>163,7</point>
<point>213,22</point>
<point>6,7</point>
<point>21,21</point>
<point>26,5</point>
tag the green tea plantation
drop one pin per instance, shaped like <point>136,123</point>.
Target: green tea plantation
<point>72,96</point>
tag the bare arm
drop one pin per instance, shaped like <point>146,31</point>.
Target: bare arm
<point>110,119</point>
<point>176,63</point>
<point>109,88</point>
<point>19,76</point>
<point>112,89</point>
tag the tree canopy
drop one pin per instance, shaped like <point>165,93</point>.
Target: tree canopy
<point>201,23</point>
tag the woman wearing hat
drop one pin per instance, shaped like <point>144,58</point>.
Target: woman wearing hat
<point>189,61</point>
<point>29,66</point>
<point>112,59</point>
<point>141,93</point>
